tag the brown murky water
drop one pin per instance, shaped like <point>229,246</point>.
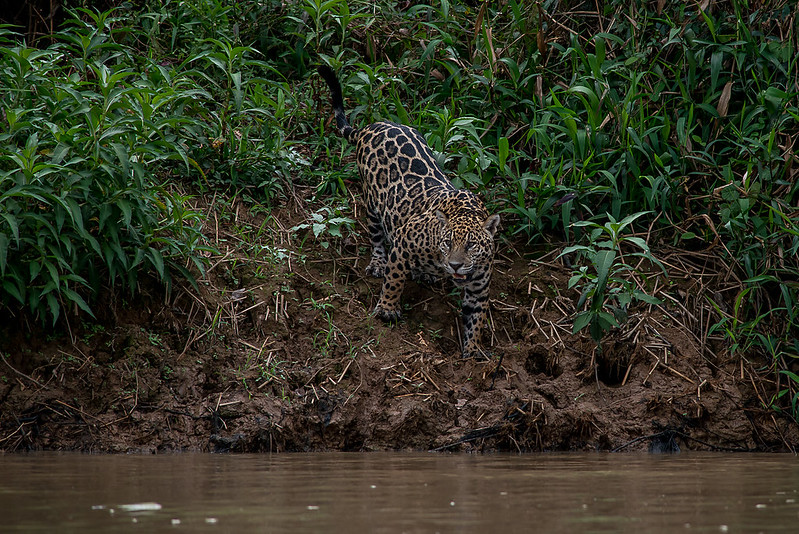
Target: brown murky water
<point>384,492</point>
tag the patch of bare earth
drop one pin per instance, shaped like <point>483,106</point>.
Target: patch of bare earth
<point>276,351</point>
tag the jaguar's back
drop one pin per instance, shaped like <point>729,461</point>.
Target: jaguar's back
<point>399,172</point>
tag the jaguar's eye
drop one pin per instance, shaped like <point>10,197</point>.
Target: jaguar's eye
<point>469,245</point>
<point>446,243</point>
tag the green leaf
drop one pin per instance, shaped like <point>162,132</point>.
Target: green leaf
<point>639,242</point>
<point>603,261</point>
<point>14,291</point>
<point>716,60</point>
<point>630,218</point>
<point>603,322</point>
<point>318,228</point>
<point>504,148</point>
<point>3,253</point>
<point>55,308</point>
<point>791,375</point>
<point>586,223</point>
<point>581,320</point>
<point>649,299</point>
<point>13,224</point>
<point>121,152</point>
<point>710,24</point>
<point>77,299</point>
<point>596,331</point>
<point>34,267</point>
<point>575,248</point>
<point>730,193</point>
<point>54,278</point>
<point>75,214</point>
<point>157,260</point>
<point>127,212</point>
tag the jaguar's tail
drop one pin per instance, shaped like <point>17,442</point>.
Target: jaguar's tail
<point>338,101</point>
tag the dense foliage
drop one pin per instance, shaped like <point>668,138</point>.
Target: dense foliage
<point>96,129</point>
<point>580,123</point>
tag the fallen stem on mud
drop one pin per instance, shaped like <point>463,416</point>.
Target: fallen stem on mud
<point>8,437</point>
<point>670,432</point>
<point>480,433</point>
<point>20,373</point>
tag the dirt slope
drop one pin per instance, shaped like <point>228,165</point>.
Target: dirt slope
<point>276,351</point>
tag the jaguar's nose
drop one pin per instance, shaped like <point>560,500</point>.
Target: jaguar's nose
<point>455,265</point>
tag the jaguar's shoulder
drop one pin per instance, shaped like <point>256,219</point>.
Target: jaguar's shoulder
<point>377,134</point>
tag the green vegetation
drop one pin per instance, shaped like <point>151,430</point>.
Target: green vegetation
<point>611,283</point>
<point>581,126</point>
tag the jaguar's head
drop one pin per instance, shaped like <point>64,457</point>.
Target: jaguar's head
<point>467,244</point>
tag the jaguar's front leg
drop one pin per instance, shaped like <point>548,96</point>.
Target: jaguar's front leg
<point>388,307</point>
<point>473,314</point>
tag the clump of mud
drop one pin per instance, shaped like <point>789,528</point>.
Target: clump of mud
<point>276,351</point>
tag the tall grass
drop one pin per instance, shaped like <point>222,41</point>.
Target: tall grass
<point>85,130</point>
<point>96,127</point>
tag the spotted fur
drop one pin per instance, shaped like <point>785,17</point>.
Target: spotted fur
<point>420,225</point>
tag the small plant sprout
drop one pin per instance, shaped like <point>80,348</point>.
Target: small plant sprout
<point>327,221</point>
<point>609,288</point>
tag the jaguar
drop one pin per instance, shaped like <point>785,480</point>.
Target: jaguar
<point>421,226</point>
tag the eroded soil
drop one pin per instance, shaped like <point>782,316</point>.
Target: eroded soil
<point>275,351</point>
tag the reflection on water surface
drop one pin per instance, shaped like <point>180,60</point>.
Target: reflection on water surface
<point>385,492</point>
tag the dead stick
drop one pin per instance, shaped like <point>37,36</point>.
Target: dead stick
<point>676,372</point>
<point>651,371</point>
<point>20,373</point>
<point>344,372</point>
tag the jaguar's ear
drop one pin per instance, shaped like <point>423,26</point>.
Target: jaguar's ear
<point>441,217</point>
<point>491,225</point>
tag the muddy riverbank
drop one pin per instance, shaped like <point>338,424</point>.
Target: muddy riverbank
<point>275,350</point>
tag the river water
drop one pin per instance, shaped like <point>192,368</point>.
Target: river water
<point>397,492</point>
